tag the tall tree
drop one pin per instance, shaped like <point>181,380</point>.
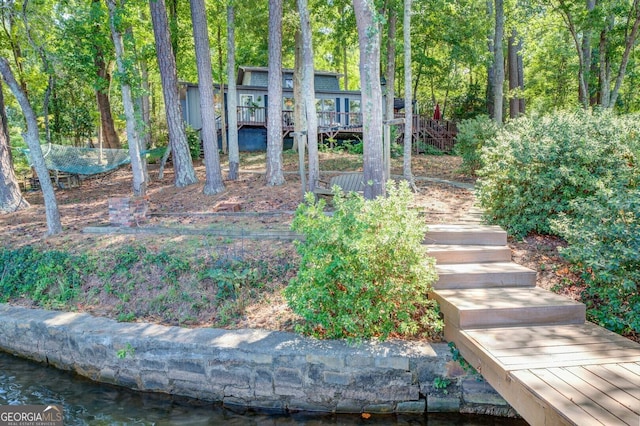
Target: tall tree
<point>11,198</point>
<point>491,68</point>
<point>390,83</point>
<point>182,164</point>
<point>274,175</point>
<point>308,92</point>
<point>47,69</point>
<point>32,138</point>
<point>369,37</point>
<point>110,138</point>
<point>139,181</point>
<point>516,77</point>
<point>631,35</point>
<point>498,63</point>
<point>408,96</point>
<point>232,100</point>
<point>213,183</point>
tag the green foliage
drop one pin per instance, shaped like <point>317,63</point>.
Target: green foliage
<point>472,135</point>
<point>428,149</point>
<point>604,243</point>
<point>441,383</point>
<point>127,350</point>
<point>193,139</point>
<point>46,277</point>
<point>457,356</point>
<point>354,147</point>
<point>364,272</point>
<point>538,166</point>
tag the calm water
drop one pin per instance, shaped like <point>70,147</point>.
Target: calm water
<point>87,403</point>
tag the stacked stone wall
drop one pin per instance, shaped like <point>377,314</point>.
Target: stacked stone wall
<point>252,368</point>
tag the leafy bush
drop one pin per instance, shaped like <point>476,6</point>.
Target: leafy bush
<point>364,272</point>
<point>193,139</point>
<point>539,165</point>
<point>604,242</point>
<point>472,135</point>
<point>46,277</point>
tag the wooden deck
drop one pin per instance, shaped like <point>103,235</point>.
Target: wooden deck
<point>335,125</point>
<point>534,347</point>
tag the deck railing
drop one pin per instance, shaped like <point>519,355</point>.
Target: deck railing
<point>257,116</point>
<point>426,130</point>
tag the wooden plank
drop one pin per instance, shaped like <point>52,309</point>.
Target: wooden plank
<point>551,348</point>
<point>599,402</point>
<point>633,367</point>
<point>567,359</point>
<point>532,336</point>
<point>610,385</point>
<point>620,376</point>
<point>542,388</point>
<point>531,408</point>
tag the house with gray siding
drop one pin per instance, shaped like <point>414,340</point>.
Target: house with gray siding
<point>339,111</point>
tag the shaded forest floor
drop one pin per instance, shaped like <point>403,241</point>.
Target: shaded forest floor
<point>141,294</point>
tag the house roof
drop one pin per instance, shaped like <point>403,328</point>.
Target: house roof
<point>243,69</point>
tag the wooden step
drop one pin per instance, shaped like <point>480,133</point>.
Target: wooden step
<point>494,274</point>
<point>517,361</point>
<point>472,234</point>
<point>453,253</point>
<point>506,307</point>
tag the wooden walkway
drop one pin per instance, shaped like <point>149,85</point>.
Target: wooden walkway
<point>533,346</point>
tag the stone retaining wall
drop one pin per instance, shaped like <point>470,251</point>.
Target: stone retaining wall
<point>253,368</point>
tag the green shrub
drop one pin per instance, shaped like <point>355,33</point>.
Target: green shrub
<point>44,276</point>
<point>539,165</point>
<point>364,272</point>
<point>604,243</point>
<point>193,139</point>
<point>472,135</point>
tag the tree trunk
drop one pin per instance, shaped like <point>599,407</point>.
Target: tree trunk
<point>408,97</point>
<point>308,93</point>
<point>32,138</point>
<point>213,183</point>
<point>11,198</point>
<point>139,182</point>
<point>46,69</point>
<point>299,113</point>
<point>182,165</point>
<point>630,41</point>
<point>369,41</point>
<point>110,137</point>
<point>586,59</point>
<point>390,86</point>
<point>516,80</point>
<point>498,63</point>
<point>491,70</point>
<point>232,96</point>
<point>223,118</point>
<point>146,103</point>
<point>605,71</point>
<point>173,26</point>
<point>274,175</point>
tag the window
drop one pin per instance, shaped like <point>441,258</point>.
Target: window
<point>287,108</point>
<point>247,108</point>
<point>326,109</point>
<point>355,112</point>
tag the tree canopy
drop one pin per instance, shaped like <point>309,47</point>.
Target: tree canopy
<point>572,53</point>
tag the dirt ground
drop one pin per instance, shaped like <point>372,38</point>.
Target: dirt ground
<point>261,208</point>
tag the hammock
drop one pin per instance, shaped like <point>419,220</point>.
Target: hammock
<point>86,161</point>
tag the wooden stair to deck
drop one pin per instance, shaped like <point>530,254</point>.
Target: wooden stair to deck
<point>533,346</point>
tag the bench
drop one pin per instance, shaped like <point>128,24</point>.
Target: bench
<point>348,182</point>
